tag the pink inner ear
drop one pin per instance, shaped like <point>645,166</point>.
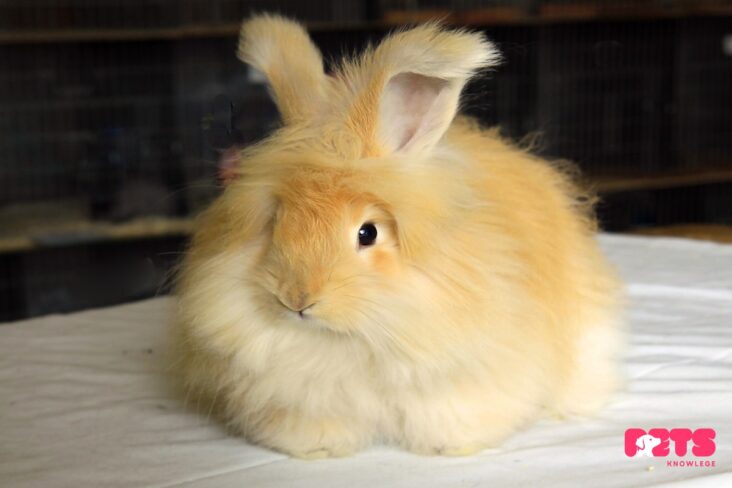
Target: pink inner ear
<point>408,98</point>
<point>228,162</point>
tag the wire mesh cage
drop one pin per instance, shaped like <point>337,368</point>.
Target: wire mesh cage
<point>704,111</point>
<point>605,93</point>
<point>506,96</point>
<point>85,14</point>
<point>108,132</point>
<point>83,118</point>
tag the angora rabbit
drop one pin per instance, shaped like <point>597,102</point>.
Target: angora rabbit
<point>381,271</point>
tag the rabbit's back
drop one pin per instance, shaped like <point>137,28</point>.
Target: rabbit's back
<point>548,222</point>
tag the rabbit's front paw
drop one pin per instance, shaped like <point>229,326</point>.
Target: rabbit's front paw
<point>307,437</point>
<point>456,451</point>
<point>450,451</point>
<point>321,453</point>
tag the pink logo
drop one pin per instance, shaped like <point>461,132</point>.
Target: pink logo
<point>657,442</point>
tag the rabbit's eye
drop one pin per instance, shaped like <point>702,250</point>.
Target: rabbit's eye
<point>367,234</point>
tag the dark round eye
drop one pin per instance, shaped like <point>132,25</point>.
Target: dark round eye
<point>367,234</point>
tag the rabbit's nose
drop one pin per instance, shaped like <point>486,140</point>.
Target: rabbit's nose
<point>298,302</point>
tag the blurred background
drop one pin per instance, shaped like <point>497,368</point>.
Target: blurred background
<point>114,115</point>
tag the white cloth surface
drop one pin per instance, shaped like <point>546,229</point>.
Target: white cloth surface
<point>84,401</point>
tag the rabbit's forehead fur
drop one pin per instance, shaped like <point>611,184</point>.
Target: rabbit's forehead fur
<point>312,196</point>
<point>318,205</point>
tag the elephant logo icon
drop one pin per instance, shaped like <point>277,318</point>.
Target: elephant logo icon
<point>645,445</point>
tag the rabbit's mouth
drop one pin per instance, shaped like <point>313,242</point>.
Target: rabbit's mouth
<point>305,313</point>
<point>302,314</point>
<point>313,317</point>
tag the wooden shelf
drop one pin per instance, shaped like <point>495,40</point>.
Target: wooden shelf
<point>201,31</point>
<point>704,232</point>
<point>546,14</point>
<point>84,232</point>
<point>662,180</point>
<point>560,13</point>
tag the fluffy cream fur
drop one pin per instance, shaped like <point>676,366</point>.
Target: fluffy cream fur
<point>483,304</point>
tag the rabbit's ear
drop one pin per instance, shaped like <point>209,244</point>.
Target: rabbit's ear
<point>411,84</point>
<point>283,51</point>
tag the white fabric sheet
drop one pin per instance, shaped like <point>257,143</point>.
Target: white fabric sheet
<point>84,401</point>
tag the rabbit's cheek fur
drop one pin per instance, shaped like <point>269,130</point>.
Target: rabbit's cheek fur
<point>383,261</point>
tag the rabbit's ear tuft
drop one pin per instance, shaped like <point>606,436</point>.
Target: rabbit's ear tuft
<point>411,86</point>
<point>283,51</point>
